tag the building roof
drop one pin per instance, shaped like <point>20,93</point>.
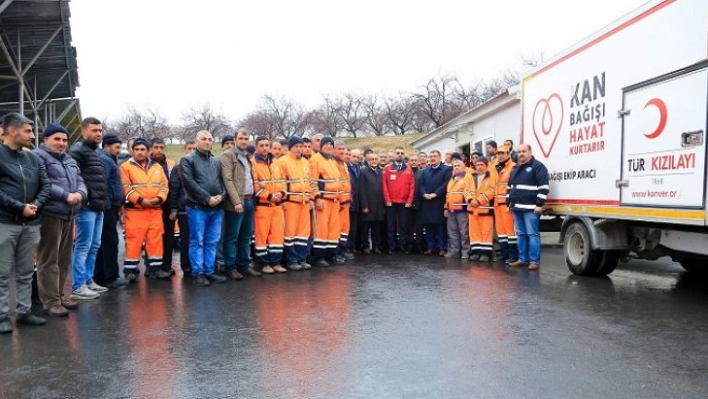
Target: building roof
<point>466,119</point>
<point>35,47</point>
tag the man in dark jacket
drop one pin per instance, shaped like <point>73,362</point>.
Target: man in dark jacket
<point>528,190</point>
<point>57,231</point>
<point>432,189</point>
<point>23,192</point>
<point>178,210</point>
<point>107,271</point>
<point>89,223</point>
<point>205,191</point>
<point>354,214</point>
<point>371,203</point>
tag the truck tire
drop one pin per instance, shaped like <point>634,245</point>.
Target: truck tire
<point>695,266</point>
<point>608,262</point>
<point>580,258</point>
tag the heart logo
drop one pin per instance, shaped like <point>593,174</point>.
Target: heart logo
<point>547,122</point>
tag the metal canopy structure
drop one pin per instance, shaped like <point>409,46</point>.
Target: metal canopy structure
<point>38,68</point>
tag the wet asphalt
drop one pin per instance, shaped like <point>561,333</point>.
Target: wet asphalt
<point>403,326</point>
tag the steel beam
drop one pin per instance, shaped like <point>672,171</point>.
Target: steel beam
<point>41,50</point>
<point>65,111</point>
<point>4,5</point>
<point>56,84</point>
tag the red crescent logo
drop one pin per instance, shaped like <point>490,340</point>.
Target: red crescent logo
<point>663,115</point>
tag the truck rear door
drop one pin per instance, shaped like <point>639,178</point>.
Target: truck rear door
<point>663,140</point>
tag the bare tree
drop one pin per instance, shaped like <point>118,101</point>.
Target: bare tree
<point>326,118</point>
<point>146,124</point>
<point>260,123</point>
<point>400,112</point>
<point>203,117</point>
<point>375,116</point>
<point>352,113</point>
<point>288,118</point>
<point>436,99</point>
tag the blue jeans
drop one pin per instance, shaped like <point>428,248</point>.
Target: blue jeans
<point>238,231</point>
<point>204,233</point>
<point>89,227</point>
<point>529,238</point>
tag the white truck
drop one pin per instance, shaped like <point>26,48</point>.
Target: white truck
<point>620,121</point>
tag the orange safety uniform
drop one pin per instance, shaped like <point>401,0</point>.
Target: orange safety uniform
<point>457,219</point>
<point>142,223</point>
<point>296,172</point>
<point>269,218</point>
<point>326,184</point>
<point>345,203</point>
<point>503,219</point>
<point>481,216</point>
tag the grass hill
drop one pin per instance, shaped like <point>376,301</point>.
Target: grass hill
<point>378,144</point>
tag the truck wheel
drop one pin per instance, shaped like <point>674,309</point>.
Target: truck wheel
<point>579,255</point>
<point>608,262</point>
<point>695,266</point>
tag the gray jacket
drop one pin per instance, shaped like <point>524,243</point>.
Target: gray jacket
<point>202,179</point>
<point>65,178</point>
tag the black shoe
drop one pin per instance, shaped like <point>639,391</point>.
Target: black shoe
<point>5,326</point>
<point>321,263</point>
<point>159,274</point>
<point>30,320</point>
<point>216,278</point>
<point>349,256</point>
<point>130,277</point>
<point>118,283</point>
<point>201,281</point>
<point>474,258</point>
<point>337,260</point>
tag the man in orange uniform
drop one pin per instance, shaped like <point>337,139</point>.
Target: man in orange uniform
<point>327,189</point>
<point>503,219</point>
<point>269,191</point>
<point>145,189</point>
<point>345,200</point>
<point>297,204</point>
<point>458,242</point>
<point>480,199</point>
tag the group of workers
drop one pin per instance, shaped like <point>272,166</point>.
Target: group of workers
<point>292,205</point>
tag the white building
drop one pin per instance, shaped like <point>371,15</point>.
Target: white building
<point>498,119</point>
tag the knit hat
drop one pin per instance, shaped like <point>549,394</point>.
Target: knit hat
<point>325,140</point>
<point>141,141</point>
<point>456,155</point>
<point>54,128</point>
<point>110,139</point>
<point>251,149</point>
<point>293,141</point>
<point>226,139</point>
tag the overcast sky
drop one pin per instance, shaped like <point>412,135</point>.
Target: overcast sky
<point>169,54</point>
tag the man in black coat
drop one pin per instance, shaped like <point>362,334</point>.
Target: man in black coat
<point>23,192</point>
<point>371,203</point>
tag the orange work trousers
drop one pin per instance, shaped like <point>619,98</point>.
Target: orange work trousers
<point>481,234</point>
<point>328,231</point>
<point>297,231</point>
<point>143,226</point>
<point>343,229</point>
<point>504,221</point>
<point>270,232</point>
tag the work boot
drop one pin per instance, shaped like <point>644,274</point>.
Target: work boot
<point>234,275</point>
<point>5,326</point>
<point>294,267</point>
<point>216,278</point>
<point>484,258</point>
<point>160,274</point>
<point>336,261</point>
<point>56,311</point>
<point>517,263</point>
<point>321,263</point>
<point>130,277</point>
<point>474,257</point>
<point>267,270</point>
<point>30,320</point>
<point>533,266</point>
<point>305,265</point>
<point>349,256</point>
<point>201,281</point>
<point>69,304</point>
<point>279,269</point>
<point>252,272</point>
